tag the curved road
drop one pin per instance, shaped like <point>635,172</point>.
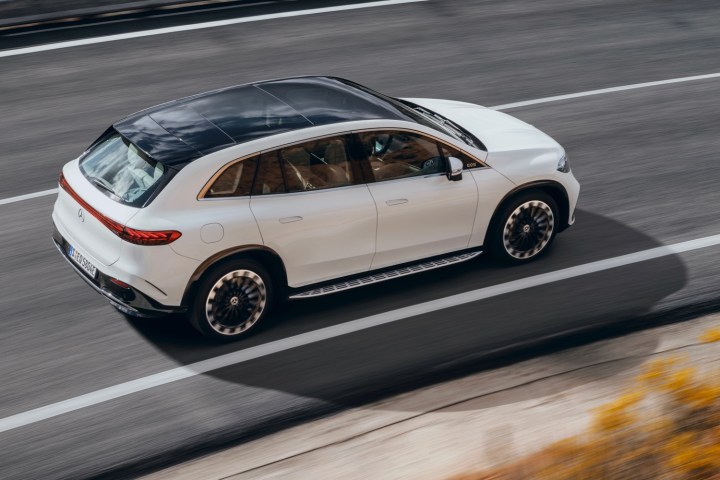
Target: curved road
<point>647,159</point>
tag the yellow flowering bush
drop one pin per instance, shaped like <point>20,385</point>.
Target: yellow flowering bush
<point>712,335</point>
<point>665,427</point>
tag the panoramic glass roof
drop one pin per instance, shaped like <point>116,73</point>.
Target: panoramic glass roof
<point>178,132</point>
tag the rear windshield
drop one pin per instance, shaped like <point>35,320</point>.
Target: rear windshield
<point>123,172</point>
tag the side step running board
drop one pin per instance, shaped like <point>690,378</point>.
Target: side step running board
<point>387,275</point>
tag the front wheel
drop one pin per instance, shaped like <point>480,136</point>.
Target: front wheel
<point>524,228</point>
<point>232,299</point>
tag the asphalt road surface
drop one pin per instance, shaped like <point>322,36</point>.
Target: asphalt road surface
<point>647,160</point>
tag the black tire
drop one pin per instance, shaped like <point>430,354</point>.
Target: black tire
<point>524,228</point>
<point>243,296</point>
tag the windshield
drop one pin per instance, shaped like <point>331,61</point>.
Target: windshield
<point>424,116</point>
<point>121,170</point>
<point>448,126</point>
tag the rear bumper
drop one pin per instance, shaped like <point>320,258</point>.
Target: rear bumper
<point>128,300</point>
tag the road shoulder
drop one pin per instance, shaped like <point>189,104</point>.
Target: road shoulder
<point>462,425</point>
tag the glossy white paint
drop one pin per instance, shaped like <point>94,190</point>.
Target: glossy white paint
<point>499,131</point>
<point>519,151</point>
<point>212,233</point>
<point>149,268</point>
<point>85,232</point>
<point>492,188</point>
<point>319,234</point>
<point>143,267</point>
<point>421,217</point>
<point>233,214</point>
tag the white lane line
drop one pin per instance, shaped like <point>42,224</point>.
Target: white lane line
<point>27,196</point>
<point>230,7</point>
<point>198,26</point>
<point>70,27</point>
<point>604,90</point>
<point>125,20</point>
<point>497,107</point>
<point>234,358</point>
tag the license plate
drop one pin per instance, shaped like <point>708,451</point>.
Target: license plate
<point>82,262</point>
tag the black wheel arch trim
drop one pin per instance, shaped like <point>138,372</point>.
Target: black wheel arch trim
<point>256,252</point>
<point>563,204</point>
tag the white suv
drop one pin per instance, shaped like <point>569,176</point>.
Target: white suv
<point>221,204</point>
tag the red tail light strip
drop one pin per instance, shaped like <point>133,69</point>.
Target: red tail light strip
<point>138,237</point>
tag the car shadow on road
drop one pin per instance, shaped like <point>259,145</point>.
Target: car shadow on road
<point>365,366</point>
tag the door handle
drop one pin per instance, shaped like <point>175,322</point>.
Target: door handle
<point>290,219</point>
<point>397,201</point>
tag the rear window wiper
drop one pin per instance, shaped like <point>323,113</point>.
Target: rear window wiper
<point>100,184</point>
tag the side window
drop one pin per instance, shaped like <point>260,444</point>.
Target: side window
<point>468,161</point>
<point>315,165</point>
<point>269,177</point>
<point>398,154</point>
<point>235,181</point>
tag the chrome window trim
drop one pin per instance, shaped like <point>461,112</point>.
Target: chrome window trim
<point>415,177</point>
<point>221,170</point>
<point>208,184</point>
<point>218,173</point>
<point>319,190</point>
<point>283,194</point>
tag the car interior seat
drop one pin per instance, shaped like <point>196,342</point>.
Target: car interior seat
<point>298,172</point>
<point>336,167</point>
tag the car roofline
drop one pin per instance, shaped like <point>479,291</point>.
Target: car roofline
<point>230,87</point>
<point>180,131</point>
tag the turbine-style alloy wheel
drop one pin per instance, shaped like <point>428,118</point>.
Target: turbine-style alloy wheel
<point>236,302</point>
<point>528,230</point>
<point>231,299</point>
<point>523,228</point>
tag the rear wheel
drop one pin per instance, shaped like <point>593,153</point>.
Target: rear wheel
<point>524,228</point>
<point>232,299</point>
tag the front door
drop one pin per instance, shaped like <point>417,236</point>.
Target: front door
<point>420,212</point>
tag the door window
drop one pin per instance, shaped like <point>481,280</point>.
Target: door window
<point>269,178</point>
<point>397,154</point>
<point>315,165</point>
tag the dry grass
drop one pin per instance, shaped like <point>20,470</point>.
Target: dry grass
<point>666,426</point>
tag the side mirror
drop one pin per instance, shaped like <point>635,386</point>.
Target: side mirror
<point>455,168</point>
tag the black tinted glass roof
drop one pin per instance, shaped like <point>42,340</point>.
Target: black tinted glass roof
<point>246,113</point>
<point>178,132</point>
<point>155,141</point>
<point>192,128</point>
<point>325,101</point>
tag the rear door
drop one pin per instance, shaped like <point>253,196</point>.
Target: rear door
<point>420,212</point>
<point>313,210</point>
